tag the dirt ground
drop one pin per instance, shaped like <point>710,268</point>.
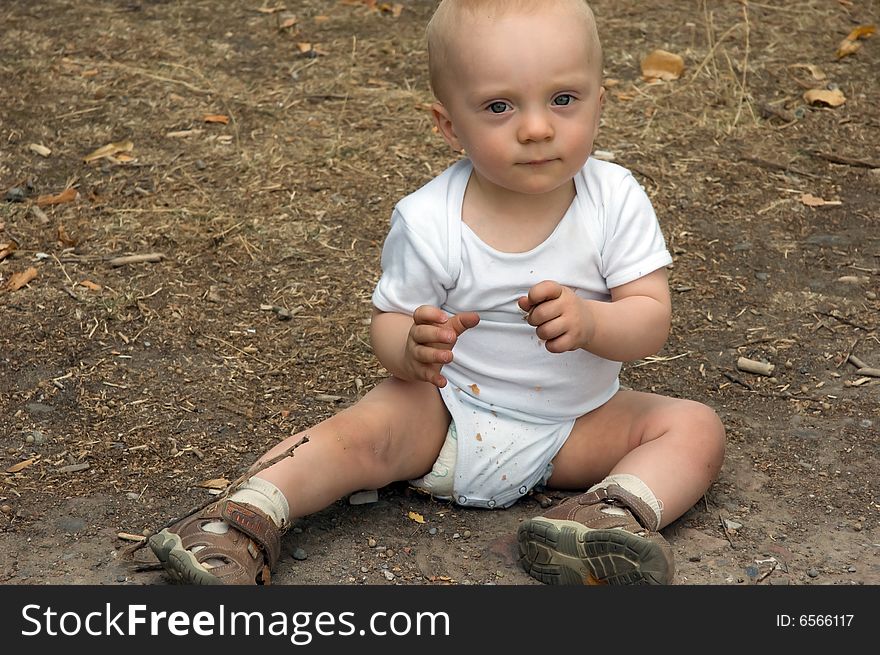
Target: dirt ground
<point>125,387</point>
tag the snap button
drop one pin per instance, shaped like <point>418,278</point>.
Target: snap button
<point>491,503</point>
<point>462,500</point>
<point>522,490</point>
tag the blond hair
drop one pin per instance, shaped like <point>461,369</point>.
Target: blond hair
<point>452,13</point>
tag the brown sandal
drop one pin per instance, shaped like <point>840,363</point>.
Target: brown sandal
<point>577,543</point>
<point>248,550</point>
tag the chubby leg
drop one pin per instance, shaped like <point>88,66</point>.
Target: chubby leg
<point>646,452</point>
<point>674,446</point>
<point>394,433</point>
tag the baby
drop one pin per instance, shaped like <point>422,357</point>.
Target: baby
<point>513,286</point>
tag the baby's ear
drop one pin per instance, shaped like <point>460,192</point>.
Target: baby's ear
<point>443,121</point>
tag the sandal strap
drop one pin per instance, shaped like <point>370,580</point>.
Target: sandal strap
<point>616,494</point>
<point>255,524</point>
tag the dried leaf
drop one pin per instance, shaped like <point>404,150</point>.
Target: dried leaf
<point>831,98</point>
<point>850,44</point>
<point>15,468</point>
<point>287,23</point>
<point>862,32</point>
<point>415,516</point>
<point>6,249</point>
<point>814,201</point>
<point>271,10</point>
<point>39,149</point>
<point>662,65</point>
<point>214,483</point>
<point>88,284</point>
<point>109,150</point>
<point>310,49</point>
<point>216,118</point>
<point>180,134</point>
<point>68,195</point>
<point>817,73</point>
<point>64,238</point>
<point>18,280</point>
<point>847,48</point>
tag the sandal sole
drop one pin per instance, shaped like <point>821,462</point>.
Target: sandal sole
<point>181,564</point>
<point>561,552</point>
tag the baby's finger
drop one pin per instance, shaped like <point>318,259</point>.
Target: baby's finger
<point>546,290</point>
<point>464,321</point>
<point>428,334</point>
<point>428,314</point>
<point>429,355</point>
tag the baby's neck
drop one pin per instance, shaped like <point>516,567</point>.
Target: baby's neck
<point>513,222</point>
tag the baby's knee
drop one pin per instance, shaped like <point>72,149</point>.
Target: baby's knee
<point>364,435</point>
<point>707,432</point>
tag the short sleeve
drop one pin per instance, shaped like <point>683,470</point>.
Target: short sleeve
<point>634,245</point>
<point>412,272</point>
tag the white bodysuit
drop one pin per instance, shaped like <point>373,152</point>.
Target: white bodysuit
<point>513,402</point>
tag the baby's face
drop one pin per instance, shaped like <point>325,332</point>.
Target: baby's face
<point>523,97</point>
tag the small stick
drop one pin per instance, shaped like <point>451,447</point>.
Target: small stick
<point>869,372</point>
<point>847,161</point>
<point>752,366</point>
<point>855,361</point>
<point>235,484</point>
<point>136,259</point>
<point>726,531</point>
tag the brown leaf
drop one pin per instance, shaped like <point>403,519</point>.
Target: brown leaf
<point>271,10</point>
<point>415,516</point>
<point>862,32</point>
<point>216,118</point>
<point>310,49</point>
<point>64,238</point>
<point>68,195</point>
<point>287,23</point>
<point>88,284</point>
<point>6,249</point>
<point>214,483</point>
<point>847,48</point>
<point>813,201</point>
<point>662,65</point>
<point>15,468</point>
<point>109,150</point>
<point>831,98</point>
<point>850,44</point>
<point>18,280</point>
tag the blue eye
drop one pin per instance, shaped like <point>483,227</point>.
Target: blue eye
<point>563,100</point>
<point>497,107</point>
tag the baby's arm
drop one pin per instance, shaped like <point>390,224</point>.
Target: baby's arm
<point>414,348</point>
<point>633,325</point>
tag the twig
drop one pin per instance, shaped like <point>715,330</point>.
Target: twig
<point>736,380</point>
<point>855,361</point>
<point>136,259</point>
<point>843,319</point>
<point>233,486</point>
<point>726,531</point>
<point>846,161</point>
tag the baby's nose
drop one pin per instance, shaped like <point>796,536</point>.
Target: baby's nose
<point>535,126</point>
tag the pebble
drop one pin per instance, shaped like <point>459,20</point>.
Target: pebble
<point>201,165</point>
<point>121,578</point>
<point>432,531</point>
<point>813,573</point>
<point>388,575</point>
<point>299,554</point>
<point>132,495</point>
<point>371,542</point>
<point>466,534</point>
<point>455,535</point>
<point>694,558</point>
<point>851,569</point>
<point>15,194</point>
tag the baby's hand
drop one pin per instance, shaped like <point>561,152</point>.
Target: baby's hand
<point>430,341</point>
<point>563,321</point>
